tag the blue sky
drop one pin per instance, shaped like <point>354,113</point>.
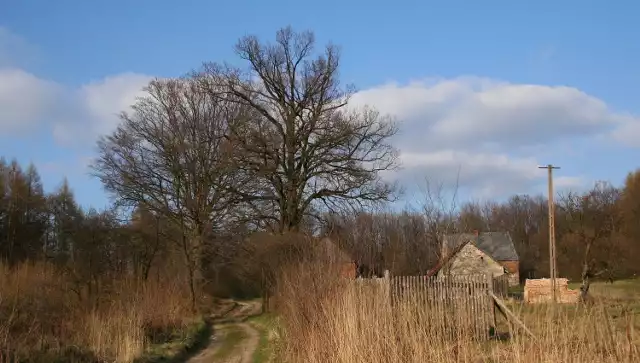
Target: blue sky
<point>489,89</point>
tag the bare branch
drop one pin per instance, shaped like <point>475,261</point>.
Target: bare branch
<point>299,140</point>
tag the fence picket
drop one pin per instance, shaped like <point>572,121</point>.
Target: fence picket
<point>446,302</point>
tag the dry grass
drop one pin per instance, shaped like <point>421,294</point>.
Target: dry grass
<point>333,321</point>
<point>44,315</point>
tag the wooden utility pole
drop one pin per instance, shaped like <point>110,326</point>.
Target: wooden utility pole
<point>552,232</point>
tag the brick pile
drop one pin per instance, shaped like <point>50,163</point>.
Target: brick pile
<point>541,291</point>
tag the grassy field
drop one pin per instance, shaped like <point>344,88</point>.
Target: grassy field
<point>620,299</point>
<point>328,321</point>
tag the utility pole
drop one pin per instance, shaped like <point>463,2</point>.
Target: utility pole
<point>552,231</point>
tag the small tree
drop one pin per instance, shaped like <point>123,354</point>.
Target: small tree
<point>593,220</point>
<point>630,209</point>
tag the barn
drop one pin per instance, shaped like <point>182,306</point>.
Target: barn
<point>479,253</point>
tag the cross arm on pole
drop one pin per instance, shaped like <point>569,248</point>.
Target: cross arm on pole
<point>548,167</point>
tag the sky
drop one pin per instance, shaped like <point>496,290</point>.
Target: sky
<point>484,91</point>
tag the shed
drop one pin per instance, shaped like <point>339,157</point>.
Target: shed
<point>473,253</point>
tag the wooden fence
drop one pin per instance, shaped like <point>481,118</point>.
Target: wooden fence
<point>449,306</point>
<point>501,286</point>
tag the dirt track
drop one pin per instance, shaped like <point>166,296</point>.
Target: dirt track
<point>235,317</point>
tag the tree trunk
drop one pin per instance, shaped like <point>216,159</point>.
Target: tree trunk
<point>586,272</point>
<point>586,283</point>
<point>189,262</point>
<point>197,256</point>
<point>192,289</point>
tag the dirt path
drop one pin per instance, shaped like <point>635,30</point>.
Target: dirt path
<point>234,318</point>
<point>250,344</point>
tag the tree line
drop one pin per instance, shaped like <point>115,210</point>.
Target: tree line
<point>206,160</point>
<point>597,232</point>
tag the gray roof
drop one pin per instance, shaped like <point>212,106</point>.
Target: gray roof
<point>498,245</point>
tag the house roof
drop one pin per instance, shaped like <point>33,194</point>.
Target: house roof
<point>498,245</point>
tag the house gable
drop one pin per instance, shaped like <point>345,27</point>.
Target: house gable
<point>471,260</point>
<point>498,245</point>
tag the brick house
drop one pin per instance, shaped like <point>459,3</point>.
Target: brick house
<point>479,253</point>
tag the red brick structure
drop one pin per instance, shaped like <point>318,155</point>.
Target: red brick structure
<point>513,267</point>
<point>541,291</point>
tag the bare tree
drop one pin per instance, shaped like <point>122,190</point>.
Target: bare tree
<point>171,157</point>
<point>439,211</point>
<point>630,205</point>
<point>310,151</point>
<point>593,219</point>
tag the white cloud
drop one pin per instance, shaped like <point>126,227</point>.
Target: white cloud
<point>491,132</point>
<point>629,131</point>
<point>24,99</point>
<point>76,116</point>
<point>486,134</point>
<point>486,175</point>
<point>97,106</point>
<point>470,112</point>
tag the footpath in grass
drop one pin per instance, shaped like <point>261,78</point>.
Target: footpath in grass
<point>230,338</point>
<point>266,325</point>
<point>180,345</point>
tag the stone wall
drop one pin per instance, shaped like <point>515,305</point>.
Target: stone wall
<point>470,260</point>
<point>541,291</point>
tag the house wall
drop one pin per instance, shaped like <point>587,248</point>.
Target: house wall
<point>470,260</point>
<point>513,267</point>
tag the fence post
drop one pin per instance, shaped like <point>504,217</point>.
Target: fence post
<point>387,287</point>
<point>492,305</point>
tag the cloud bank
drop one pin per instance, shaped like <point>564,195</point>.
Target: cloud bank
<point>486,135</point>
<point>489,135</point>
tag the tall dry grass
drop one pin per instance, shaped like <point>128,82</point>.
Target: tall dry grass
<point>328,320</point>
<point>44,314</point>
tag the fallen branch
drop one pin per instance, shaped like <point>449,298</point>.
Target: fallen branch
<point>510,315</point>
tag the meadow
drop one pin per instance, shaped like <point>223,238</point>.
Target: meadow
<point>335,321</point>
<point>46,317</point>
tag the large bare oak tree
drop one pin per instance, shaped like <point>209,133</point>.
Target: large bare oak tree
<point>303,142</point>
